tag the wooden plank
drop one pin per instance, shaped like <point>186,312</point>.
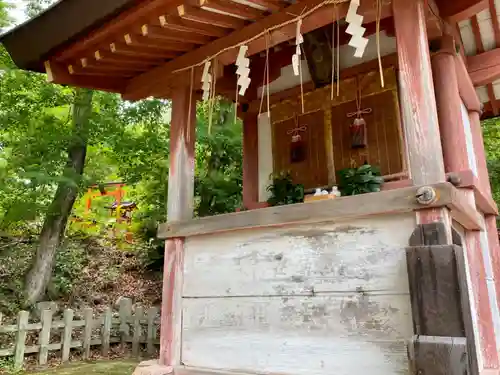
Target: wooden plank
<point>298,335</point>
<point>151,332</point>
<point>205,16</point>
<point>66,338</point>
<point>22,322</point>
<point>431,355</point>
<point>334,210</point>
<point>434,286</point>
<point>136,339</point>
<point>483,67</point>
<point>456,11</point>
<point>418,102</point>
<point>106,331</point>
<point>44,337</point>
<point>365,255</point>
<point>174,22</point>
<point>229,7</point>
<point>88,315</point>
<point>157,78</point>
<point>125,313</point>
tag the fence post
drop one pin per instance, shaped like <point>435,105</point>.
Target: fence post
<point>22,323</point>
<point>106,331</point>
<point>151,334</point>
<point>87,332</point>
<point>44,337</point>
<point>66,339</point>
<point>139,313</point>
<point>125,312</point>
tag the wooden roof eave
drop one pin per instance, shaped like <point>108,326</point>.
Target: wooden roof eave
<point>159,81</point>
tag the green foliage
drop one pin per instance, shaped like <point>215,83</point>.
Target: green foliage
<point>491,135</point>
<point>70,261</point>
<point>365,179</point>
<point>5,19</point>
<point>284,191</point>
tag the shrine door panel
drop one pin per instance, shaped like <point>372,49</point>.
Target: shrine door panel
<point>384,140</point>
<point>312,169</point>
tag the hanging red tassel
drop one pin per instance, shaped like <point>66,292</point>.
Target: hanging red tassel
<point>358,133</point>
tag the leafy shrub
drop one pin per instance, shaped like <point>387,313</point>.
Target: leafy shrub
<point>284,191</point>
<point>365,179</point>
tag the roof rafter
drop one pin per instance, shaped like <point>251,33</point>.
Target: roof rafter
<point>157,80</point>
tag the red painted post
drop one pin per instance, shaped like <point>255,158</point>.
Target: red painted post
<point>448,101</point>
<point>250,160</point>
<point>179,207</point>
<point>418,102</point>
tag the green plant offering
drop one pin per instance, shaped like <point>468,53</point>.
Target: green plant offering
<point>365,179</point>
<point>284,191</point>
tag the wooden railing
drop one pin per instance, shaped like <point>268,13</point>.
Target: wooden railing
<point>133,325</point>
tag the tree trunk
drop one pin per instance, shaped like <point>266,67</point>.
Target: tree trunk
<point>59,210</point>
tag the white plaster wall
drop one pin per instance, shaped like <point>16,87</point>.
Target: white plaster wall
<point>304,299</point>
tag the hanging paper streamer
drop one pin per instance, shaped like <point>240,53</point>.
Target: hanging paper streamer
<point>206,80</point>
<point>355,29</point>
<point>243,71</point>
<point>299,39</point>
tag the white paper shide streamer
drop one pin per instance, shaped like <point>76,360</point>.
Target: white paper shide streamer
<point>355,29</point>
<point>243,71</point>
<point>206,80</point>
<point>299,39</point>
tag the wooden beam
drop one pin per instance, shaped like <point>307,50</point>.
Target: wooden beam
<point>484,68</point>
<point>134,17</point>
<point>103,70</point>
<point>417,98</point>
<point>239,10</point>
<point>459,10</point>
<point>174,22</point>
<point>58,73</point>
<point>107,57</point>
<point>158,78</point>
<point>335,210</point>
<point>204,16</point>
<point>123,49</point>
<point>144,41</point>
<point>161,33</point>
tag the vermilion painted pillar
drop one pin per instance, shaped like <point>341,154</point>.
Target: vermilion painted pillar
<point>457,159</point>
<point>179,207</point>
<point>448,100</point>
<point>250,161</point>
<point>418,103</point>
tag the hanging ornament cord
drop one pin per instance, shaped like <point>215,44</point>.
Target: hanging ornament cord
<point>338,48</point>
<point>359,111</point>
<point>379,15</point>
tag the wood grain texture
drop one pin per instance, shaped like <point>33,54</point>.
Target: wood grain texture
<point>250,160</point>
<point>299,335</point>
<point>335,210</point>
<point>363,255</point>
<point>181,172</point>
<point>313,170</point>
<point>433,355</point>
<point>171,308</point>
<point>419,112</point>
<point>384,143</point>
<point>435,292</point>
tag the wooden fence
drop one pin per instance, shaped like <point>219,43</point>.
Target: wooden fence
<point>133,325</point>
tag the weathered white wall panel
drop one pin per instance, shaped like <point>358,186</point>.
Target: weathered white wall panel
<point>327,334</point>
<point>301,299</point>
<point>365,255</point>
